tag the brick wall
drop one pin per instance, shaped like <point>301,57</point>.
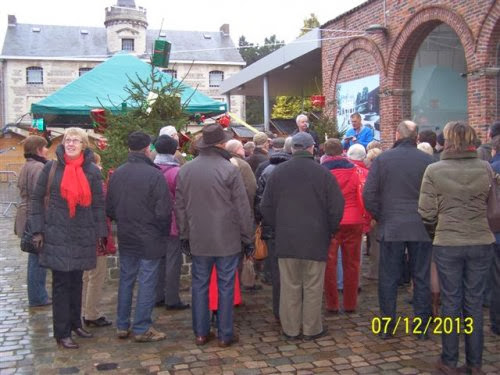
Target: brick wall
<point>477,23</point>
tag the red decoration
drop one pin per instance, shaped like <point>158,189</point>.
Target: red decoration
<point>224,121</point>
<point>318,101</point>
<point>102,144</point>
<point>99,118</point>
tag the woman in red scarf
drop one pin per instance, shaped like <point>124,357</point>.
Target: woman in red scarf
<point>68,226</point>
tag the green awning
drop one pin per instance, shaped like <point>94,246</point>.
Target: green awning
<point>104,86</point>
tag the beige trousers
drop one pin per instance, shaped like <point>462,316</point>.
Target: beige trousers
<point>93,283</point>
<point>301,296</point>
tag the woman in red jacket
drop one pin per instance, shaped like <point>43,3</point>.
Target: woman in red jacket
<point>350,233</point>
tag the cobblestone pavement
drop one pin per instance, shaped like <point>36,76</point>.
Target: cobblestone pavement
<point>26,345</point>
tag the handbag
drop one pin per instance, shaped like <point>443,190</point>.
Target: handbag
<point>260,244</point>
<point>27,237</point>
<point>493,210</point>
<point>248,273</point>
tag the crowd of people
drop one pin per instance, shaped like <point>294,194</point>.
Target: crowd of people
<point>421,205</point>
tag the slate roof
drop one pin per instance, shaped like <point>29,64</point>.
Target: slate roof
<point>68,41</point>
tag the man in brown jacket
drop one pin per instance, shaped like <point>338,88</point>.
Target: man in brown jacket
<point>214,219</point>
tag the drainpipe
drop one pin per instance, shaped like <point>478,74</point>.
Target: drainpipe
<point>266,103</point>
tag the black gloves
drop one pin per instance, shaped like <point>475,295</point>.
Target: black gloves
<point>37,240</point>
<point>249,249</point>
<point>185,248</point>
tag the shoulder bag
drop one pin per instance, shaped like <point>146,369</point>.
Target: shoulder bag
<point>27,237</point>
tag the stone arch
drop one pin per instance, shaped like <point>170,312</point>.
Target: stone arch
<point>357,44</point>
<point>489,37</point>
<point>360,43</point>
<point>405,48</point>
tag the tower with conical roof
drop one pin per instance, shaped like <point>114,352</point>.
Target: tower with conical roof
<point>126,27</point>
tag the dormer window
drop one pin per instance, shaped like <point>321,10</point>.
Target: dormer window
<point>127,44</point>
<point>34,75</point>
<point>215,78</point>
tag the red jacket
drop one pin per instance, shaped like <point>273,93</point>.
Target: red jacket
<point>348,179</point>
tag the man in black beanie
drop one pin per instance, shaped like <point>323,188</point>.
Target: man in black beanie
<point>139,201</point>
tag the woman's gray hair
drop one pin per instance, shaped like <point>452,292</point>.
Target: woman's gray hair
<point>288,145</point>
<point>233,145</point>
<point>356,152</point>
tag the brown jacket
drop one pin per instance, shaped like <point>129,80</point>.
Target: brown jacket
<point>211,205</point>
<point>248,178</point>
<point>26,184</point>
<point>454,196</point>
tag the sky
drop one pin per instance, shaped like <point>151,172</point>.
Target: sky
<point>255,19</point>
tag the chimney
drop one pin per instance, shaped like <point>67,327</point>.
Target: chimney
<point>12,21</point>
<point>224,29</point>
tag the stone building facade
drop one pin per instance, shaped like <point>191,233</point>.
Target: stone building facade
<point>37,60</point>
<point>392,38</point>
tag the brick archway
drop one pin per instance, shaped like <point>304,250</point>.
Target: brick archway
<point>404,51</point>
<point>357,44</point>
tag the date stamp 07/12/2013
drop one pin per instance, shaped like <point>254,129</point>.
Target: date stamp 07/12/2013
<point>417,326</point>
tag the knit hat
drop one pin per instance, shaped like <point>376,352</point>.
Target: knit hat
<point>168,130</point>
<point>302,140</point>
<point>260,139</point>
<point>166,145</point>
<point>279,142</point>
<point>138,141</point>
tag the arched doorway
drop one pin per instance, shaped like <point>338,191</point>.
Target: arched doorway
<point>439,80</point>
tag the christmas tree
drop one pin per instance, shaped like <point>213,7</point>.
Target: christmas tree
<point>151,104</point>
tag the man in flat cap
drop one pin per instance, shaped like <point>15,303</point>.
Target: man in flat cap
<point>139,201</point>
<point>261,151</point>
<point>215,223</point>
<point>303,205</point>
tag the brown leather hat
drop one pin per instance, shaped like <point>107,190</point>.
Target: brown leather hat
<point>212,135</point>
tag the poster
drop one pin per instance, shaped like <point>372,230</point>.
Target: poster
<point>359,95</point>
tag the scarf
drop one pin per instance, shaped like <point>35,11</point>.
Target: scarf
<point>166,159</point>
<point>41,159</point>
<point>75,187</point>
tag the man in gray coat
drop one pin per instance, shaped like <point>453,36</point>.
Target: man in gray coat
<point>214,219</point>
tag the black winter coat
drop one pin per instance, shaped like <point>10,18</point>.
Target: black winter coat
<point>139,201</point>
<point>258,156</point>
<point>392,190</point>
<point>69,243</point>
<point>303,203</point>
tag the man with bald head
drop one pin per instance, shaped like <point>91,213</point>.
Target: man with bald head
<point>391,195</point>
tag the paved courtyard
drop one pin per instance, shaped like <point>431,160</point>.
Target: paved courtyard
<point>27,346</point>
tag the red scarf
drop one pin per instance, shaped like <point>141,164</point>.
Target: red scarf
<point>75,187</point>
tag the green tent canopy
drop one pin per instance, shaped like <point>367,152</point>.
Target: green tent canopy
<point>104,86</point>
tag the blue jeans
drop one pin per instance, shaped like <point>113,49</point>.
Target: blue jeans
<point>201,271</point>
<point>146,273</point>
<point>495,285</point>
<point>37,293</point>
<point>390,268</point>
<point>463,271</point>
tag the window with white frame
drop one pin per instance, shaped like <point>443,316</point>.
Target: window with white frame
<point>82,71</point>
<point>34,75</point>
<point>215,78</point>
<point>127,44</point>
<point>172,72</point>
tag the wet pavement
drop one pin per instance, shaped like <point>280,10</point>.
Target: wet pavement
<point>27,346</point>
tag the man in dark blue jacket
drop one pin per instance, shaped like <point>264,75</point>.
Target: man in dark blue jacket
<point>303,205</point>
<point>139,201</point>
<point>391,196</point>
<point>494,284</point>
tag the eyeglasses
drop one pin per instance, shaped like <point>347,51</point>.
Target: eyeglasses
<point>74,141</point>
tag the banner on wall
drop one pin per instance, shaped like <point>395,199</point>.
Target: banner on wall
<point>359,95</point>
